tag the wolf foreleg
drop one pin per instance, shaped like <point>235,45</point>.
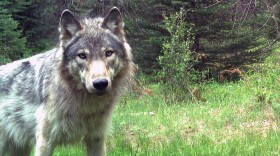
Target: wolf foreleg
<point>95,146</point>
<point>43,146</point>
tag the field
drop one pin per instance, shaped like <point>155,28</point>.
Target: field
<point>227,118</point>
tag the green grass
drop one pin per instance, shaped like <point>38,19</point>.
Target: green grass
<point>240,118</point>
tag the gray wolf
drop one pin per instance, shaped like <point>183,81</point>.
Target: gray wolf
<point>65,95</point>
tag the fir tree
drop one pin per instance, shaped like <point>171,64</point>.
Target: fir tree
<point>12,45</point>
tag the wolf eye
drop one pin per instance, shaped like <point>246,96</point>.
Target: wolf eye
<point>109,53</point>
<point>82,56</point>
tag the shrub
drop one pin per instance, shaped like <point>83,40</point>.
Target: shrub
<point>176,59</point>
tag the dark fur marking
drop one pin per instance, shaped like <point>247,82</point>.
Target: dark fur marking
<point>5,88</point>
<point>41,84</point>
<point>6,85</point>
<point>26,64</point>
<point>18,116</point>
<point>20,122</point>
<point>97,140</point>
<point>40,90</point>
<point>102,113</point>
<point>29,93</point>
<point>18,109</point>
<point>8,114</point>
<point>96,43</point>
<point>113,43</point>
<point>15,149</point>
<point>68,46</point>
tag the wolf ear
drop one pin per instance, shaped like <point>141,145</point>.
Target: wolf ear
<point>114,22</point>
<point>69,26</point>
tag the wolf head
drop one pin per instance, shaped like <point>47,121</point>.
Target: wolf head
<point>95,52</point>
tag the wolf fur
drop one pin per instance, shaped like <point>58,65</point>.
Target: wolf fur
<point>67,94</point>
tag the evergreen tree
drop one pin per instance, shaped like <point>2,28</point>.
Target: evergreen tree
<point>12,45</point>
<point>226,35</point>
<point>37,21</point>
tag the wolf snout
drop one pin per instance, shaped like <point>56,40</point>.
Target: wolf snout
<point>100,84</point>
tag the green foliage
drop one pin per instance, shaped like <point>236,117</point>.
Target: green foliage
<point>38,23</point>
<point>12,45</point>
<point>228,33</point>
<point>176,56</point>
<point>176,60</point>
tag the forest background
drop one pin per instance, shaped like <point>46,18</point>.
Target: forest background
<point>214,35</point>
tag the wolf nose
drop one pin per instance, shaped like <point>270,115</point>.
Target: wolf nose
<point>100,84</point>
